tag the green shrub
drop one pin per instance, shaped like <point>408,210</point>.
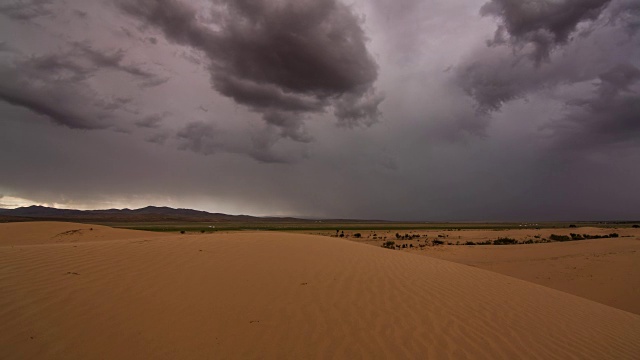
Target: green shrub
<point>505,241</point>
<point>389,244</point>
<point>555,237</point>
<point>437,242</point>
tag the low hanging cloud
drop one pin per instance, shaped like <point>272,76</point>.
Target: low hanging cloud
<point>284,60</point>
<point>26,9</point>
<point>543,44</point>
<point>542,24</point>
<point>52,86</point>
<point>199,137</point>
<point>152,121</point>
<point>56,85</point>
<point>608,117</point>
<point>115,60</point>
<point>517,60</point>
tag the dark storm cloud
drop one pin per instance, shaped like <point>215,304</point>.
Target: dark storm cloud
<point>281,59</point>
<point>494,76</point>
<point>51,86</point>
<point>26,10</point>
<point>54,85</point>
<point>545,44</point>
<point>611,116</point>
<point>543,24</point>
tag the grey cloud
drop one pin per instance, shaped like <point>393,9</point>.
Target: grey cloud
<point>289,124</point>
<point>26,10</point>
<point>353,110</point>
<point>55,66</point>
<point>117,103</point>
<point>626,13</point>
<point>263,147</point>
<point>51,86</point>
<point>610,116</point>
<point>81,14</point>
<point>198,137</point>
<point>154,81</point>
<point>617,80</point>
<point>55,85</point>
<point>493,77</point>
<point>159,139</point>
<point>207,139</point>
<point>114,60</point>
<point>543,24</point>
<point>289,57</point>
<point>151,121</point>
<point>264,96</point>
<point>589,37</point>
<point>581,166</point>
<point>4,47</point>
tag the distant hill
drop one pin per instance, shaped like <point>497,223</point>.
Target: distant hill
<point>146,214</point>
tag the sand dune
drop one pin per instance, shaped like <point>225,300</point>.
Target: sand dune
<point>53,232</point>
<point>275,295</point>
<point>603,270</point>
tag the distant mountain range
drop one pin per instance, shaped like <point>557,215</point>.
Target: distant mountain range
<point>146,214</point>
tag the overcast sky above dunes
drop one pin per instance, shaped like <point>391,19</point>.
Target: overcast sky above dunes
<point>389,109</point>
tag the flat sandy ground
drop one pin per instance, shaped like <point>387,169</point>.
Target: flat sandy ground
<point>603,270</point>
<point>118,294</point>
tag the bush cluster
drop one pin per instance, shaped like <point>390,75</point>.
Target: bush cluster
<point>555,237</point>
<point>389,244</point>
<point>505,241</point>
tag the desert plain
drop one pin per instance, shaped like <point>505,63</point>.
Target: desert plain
<point>81,291</point>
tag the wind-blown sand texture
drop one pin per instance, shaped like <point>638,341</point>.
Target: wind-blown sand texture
<point>279,296</point>
<point>603,270</point>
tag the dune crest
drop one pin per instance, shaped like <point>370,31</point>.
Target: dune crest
<point>54,232</point>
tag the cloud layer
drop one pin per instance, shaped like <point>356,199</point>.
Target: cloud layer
<point>493,110</point>
<point>284,60</point>
<point>542,45</point>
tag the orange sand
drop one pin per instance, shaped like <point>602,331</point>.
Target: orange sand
<point>277,296</point>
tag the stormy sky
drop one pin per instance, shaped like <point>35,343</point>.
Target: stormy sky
<point>453,110</point>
